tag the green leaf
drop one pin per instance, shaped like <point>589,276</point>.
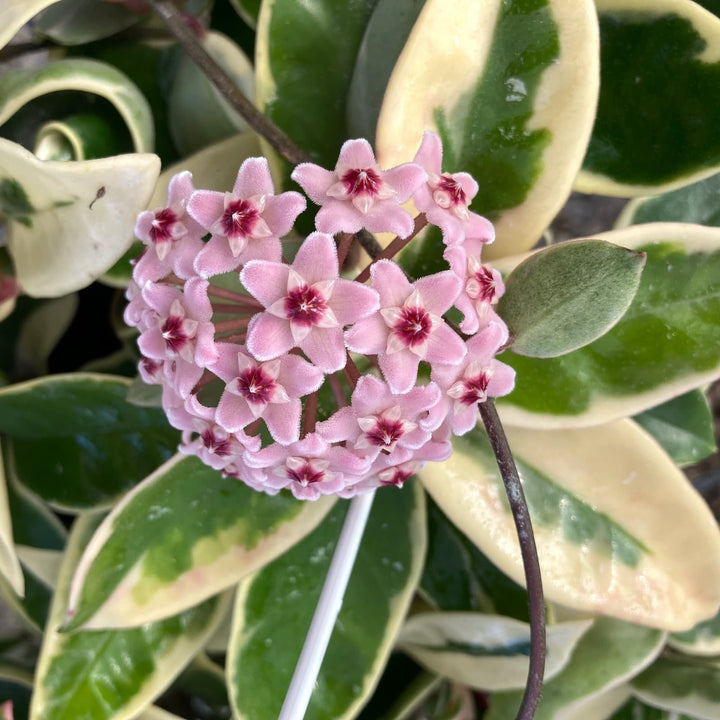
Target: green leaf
<point>696,203</point>
<point>667,343</point>
<point>81,219</point>
<point>9,563</point>
<point>19,87</point>
<point>457,576</point>
<point>198,115</point>
<point>703,639</point>
<point>34,606</point>
<point>113,673</point>
<point>657,114</point>
<point>15,13</point>
<point>598,553</point>
<point>633,709</point>
<point>682,685</point>
<point>274,609</point>
<point>304,56</point>
<point>511,88</point>
<point>152,558</point>
<point>606,656</point>
<point>683,426</point>
<point>74,22</point>
<point>385,37</point>
<point>77,443</point>
<point>82,136</point>
<point>565,296</point>
<point>248,10</point>
<point>485,652</point>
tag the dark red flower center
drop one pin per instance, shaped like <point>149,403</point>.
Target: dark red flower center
<point>239,218</point>
<point>397,478</point>
<point>305,305</point>
<point>414,326</point>
<point>215,444</point>
<point>305,474</point>
<point>453,188</point>
<point>161,228</point>
<point>486,283</point>
<point>174,333</point>
<point>362,182</point>
<point>386,432</point>
<point>256,386</point>
<point>475,388</point>
<point>150,366</point>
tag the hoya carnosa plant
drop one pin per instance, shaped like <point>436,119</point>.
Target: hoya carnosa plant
<point>244,342</point>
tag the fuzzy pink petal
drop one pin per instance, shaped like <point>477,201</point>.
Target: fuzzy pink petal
<point>370,396</point>
<point>368,336</point>
<point>205,351</point>
<point>186,377</point>
<point>453,229</point>
<point>266,281</point>
<point>406,179</point>
<point>464,421</point>
<point>152,344</point>
<point>326,348</point>
<point>215,258</point>
<point>299,377</point>
<point>388,216</point>
<point>149,268</point>
<point>233,412</point>
<point>283,421</point>
<point>439,291</point>
<point>183,257</point>
<point>340,426</point>
<point>486,343</point>
<point>143,224</point>
<point>435,451</point>
<point>445,346</point>
<point>338,216</point>
<point>314,180</point>
<point>180,187</point>
<point>356,154</point>
<point>269,337</point>
<point>206,206</point>
<point>390,281</point>
<point>470,322</point>
<point>226,364</point>
<point>503,380</point>
<point>268,249</point>
<point>160,297</point>
<point>429,155</point>
<point>479,227</point>
<point>352,301</point>
<point>253,178</point>
<point>281,212</point>
<point>400,370</point>
<point>196,299</point>
<point>317,259</point>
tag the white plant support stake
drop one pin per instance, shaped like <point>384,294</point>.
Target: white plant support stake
<point>326,612</point>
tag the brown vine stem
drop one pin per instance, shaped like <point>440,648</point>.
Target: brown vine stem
<point>173,19</point>
<point>521,515</point>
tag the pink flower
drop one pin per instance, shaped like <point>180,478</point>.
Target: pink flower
<point>247,223</point>
<point>446,196</point>
<point>309,468</point>
<point>172,236</point>
<point>358,194</point>
<point>307,305</point>
<point>387,470</point>
<point>482,285</point>
<point>379,422</point>
<point>409,327</point>
<point>268,390</point>
<point>477,378</point>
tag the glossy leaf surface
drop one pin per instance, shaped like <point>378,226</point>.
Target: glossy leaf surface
<point>89,675</point>
<point>76,442</point>
<point>182,535</point>
<point>485,652</point>
<point>73,22</point>
<point>606,656</point>
<point>681,685</point>
<point>597,552</point>
<point>668,342</point>
<point>274,609</point>
<point>9,563</point>
<point>565,296</point>
<point>656,118</point>
<point>69,222</point>
<point>512,96</point>
<point>703,639</point>
<point>683,426</point>
<point>15,13</point>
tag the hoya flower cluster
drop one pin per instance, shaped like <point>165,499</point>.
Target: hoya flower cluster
<point>286,375</point>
